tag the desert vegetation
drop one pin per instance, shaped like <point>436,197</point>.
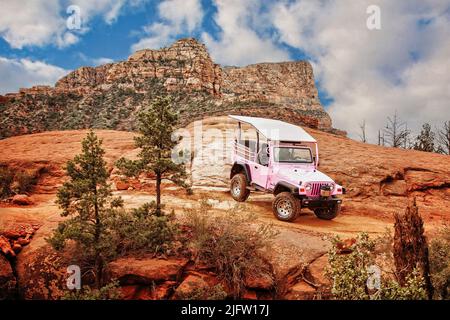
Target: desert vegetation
<point>97,222</point>
<point>397,134</point>
<point>402,267</point>
<point>16,181</point>
<point>156,125</point>
<point>231,245</point>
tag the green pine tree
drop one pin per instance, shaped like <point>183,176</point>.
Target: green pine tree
<point>425,140</point>
<point>156,125</point>
<point>86,198</point>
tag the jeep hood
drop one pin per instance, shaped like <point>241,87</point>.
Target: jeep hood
<point>296,175</point>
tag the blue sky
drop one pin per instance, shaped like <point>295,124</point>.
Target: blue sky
<point>362,73</point>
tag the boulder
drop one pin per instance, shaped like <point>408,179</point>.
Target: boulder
<point>301,291</point>
<point>122,185</point>
<point>145,271</point>
<point>316,272</point>
<point>22,200</point>
<point>192,283</point>
<point>7,279</point>
<point>250,295</point>
<point>5,247</point>
<point>42,272</point>
<point>262,281</point>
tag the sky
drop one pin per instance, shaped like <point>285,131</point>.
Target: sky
<point>371,58</point>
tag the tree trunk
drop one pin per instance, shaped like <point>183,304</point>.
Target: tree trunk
<point>98,259</point>
<point>158,193</point>
<point>410,247</point>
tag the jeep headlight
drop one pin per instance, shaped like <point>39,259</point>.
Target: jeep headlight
<point>331,185</point>
<point>308,187</point>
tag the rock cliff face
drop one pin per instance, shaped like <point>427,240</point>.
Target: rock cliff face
<point>109,96</point>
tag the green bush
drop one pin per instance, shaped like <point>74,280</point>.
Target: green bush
<point>24,181</point>
<point>349,273</point>
<point>142,229</point>
<point>109,292</point>
<point>207,293</point>
<point>6,179</point>
<point>230,244</point>
<point>440,264</point>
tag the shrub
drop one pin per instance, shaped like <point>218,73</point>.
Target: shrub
<point>440,264</point>
<point>24,181</point>
<point>143,229</point>
<point>229,244</point>
<point>207,293</point>
<point>6,178</point>
<point>109,292</point>
<point>350,273</point>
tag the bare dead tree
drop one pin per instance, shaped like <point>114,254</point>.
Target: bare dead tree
<point>396,132</point>
<point>443,138</point>
<point>362,135</point>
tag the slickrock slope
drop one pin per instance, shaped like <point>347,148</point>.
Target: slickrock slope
<point>109,96</point>
<point>379,182</point>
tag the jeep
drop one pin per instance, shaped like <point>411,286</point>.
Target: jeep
<point>276,157</point>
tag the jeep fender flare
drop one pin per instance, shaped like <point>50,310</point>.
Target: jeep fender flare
<point>241,167</point>
<point>285,186</point>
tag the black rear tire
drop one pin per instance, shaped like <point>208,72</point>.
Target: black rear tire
<point>286,207</point>
<point>238,187</point>
<point>328,213</point>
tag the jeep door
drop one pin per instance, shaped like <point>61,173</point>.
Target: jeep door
<point>260,168</point>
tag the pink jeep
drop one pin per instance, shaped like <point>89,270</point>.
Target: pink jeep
<point>281,158</point>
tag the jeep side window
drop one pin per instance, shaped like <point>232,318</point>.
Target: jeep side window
<point>263,155</point>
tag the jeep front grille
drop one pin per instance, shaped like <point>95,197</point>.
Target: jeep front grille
<point>315,189</point>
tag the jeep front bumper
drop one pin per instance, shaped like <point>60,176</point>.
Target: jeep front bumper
<point>320,202</point>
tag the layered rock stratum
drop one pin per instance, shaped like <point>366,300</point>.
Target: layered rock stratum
<point>109,96</point>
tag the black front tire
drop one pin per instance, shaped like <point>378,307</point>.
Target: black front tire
<point>328,213</point>
<point>286,207</point>
<point>238,187</point>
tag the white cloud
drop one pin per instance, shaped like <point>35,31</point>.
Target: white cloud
<point>43,22</point>
<point>370,74</point>
<point>20,73</point>
<point>176,17</point>
<point>94,61</point>
<point>239,43</point>
<point>102,60</point>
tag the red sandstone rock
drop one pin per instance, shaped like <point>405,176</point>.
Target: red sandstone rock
<point>7,279</point>
<point>191,283</point>
<point>122,185</point>
<point>22,199</point>
<point>5,247</point>
<point>301,291</point>
<point>145,271</point>
<point>262,282</point>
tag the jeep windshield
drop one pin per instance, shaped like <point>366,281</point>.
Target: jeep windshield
<point>292,155</point>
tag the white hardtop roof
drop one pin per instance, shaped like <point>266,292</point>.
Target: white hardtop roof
<point>277,130</point>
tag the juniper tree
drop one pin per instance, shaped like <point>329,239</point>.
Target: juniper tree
<point>425,140</point>
<point>410,248</point>
<point>86,198</point>
<point>156,125</point>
